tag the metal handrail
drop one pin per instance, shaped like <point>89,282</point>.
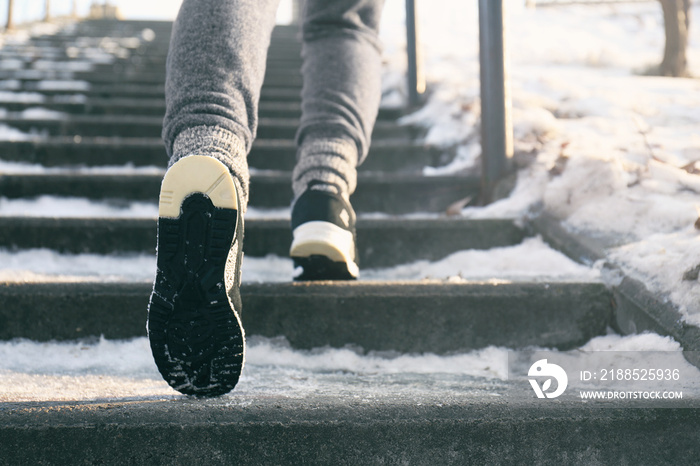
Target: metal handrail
<point>415,74</point>
<point>496,122</point>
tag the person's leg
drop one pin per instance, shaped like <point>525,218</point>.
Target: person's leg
<point>340,101</point>
<point>215,70</point>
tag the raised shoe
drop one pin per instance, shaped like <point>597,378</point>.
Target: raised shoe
<point>194,325</point>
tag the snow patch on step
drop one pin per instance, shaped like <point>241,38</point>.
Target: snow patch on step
<point>8,133</point>
<point>663,262</point>
<point>63,85</point>
<point>124,369</point>
<point>530,260</point>
<point>22,97</point>
<point>39,113</point>
<point>22,168</point>
<point>76,207</point>
<point>52,206</point>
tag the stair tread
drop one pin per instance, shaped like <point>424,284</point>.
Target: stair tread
<point>151,126</point>
<point>150,106</point>
<point>431,420</point>
<point>391,154</point>
<point>381,242</point>
<point>471,314</point>
<point>393,193</point>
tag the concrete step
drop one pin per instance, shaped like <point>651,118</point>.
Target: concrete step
<point>151,127</point>
<point>154,62</point>
<point>380,242</point>
<point>408,317</point>
<point>155,107</point>
<point>396,155</point>
<point>154,67</point>
<point>283,77</point>
<point>136,91</point>
<point>376,192</point>
<point>279,39</point>
<point>112,28</point>
<point>162,37</point>
<point>133,43</point>
<point>364,419</point>
<point>100,28</point>
<point>138,59</point>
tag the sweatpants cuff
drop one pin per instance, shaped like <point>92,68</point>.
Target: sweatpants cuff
<point>330,161</point>
<point>220,144</point>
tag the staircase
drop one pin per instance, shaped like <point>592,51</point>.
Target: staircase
<point>112,115</point>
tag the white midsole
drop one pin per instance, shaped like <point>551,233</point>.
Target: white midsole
<point>196,174</point>
<point>325,239</point>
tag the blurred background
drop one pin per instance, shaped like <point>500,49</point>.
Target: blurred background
<point>34,10</point>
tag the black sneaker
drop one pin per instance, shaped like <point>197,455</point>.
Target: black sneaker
<point>193,316</point>
<point>323,225</point>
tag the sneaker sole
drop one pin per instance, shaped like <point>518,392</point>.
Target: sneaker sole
<point>325,251</point>
<point>194,330</point>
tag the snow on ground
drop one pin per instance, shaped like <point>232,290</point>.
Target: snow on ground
<point>608,150</point>
<point>119,370</point>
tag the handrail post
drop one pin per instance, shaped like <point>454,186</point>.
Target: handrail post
<point>47,11</point>
<point>9,25</point>
<point>416,78</point>
<point>297,8</point>
<point>496,122</point>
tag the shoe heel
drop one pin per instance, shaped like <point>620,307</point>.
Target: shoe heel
<point>194,329</point>
<point>196,174</point>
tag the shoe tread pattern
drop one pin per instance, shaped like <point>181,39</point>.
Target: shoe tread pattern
<point>195,335</point>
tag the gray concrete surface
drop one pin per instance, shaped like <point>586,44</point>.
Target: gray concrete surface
<point>409,317</point>
<point>395,155</point>
<point>380,242</point>
<point>403,419</point>
<point>377,192</point>
<point>151,127</point>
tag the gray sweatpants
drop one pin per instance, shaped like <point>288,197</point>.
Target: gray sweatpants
<point>215,70</point>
